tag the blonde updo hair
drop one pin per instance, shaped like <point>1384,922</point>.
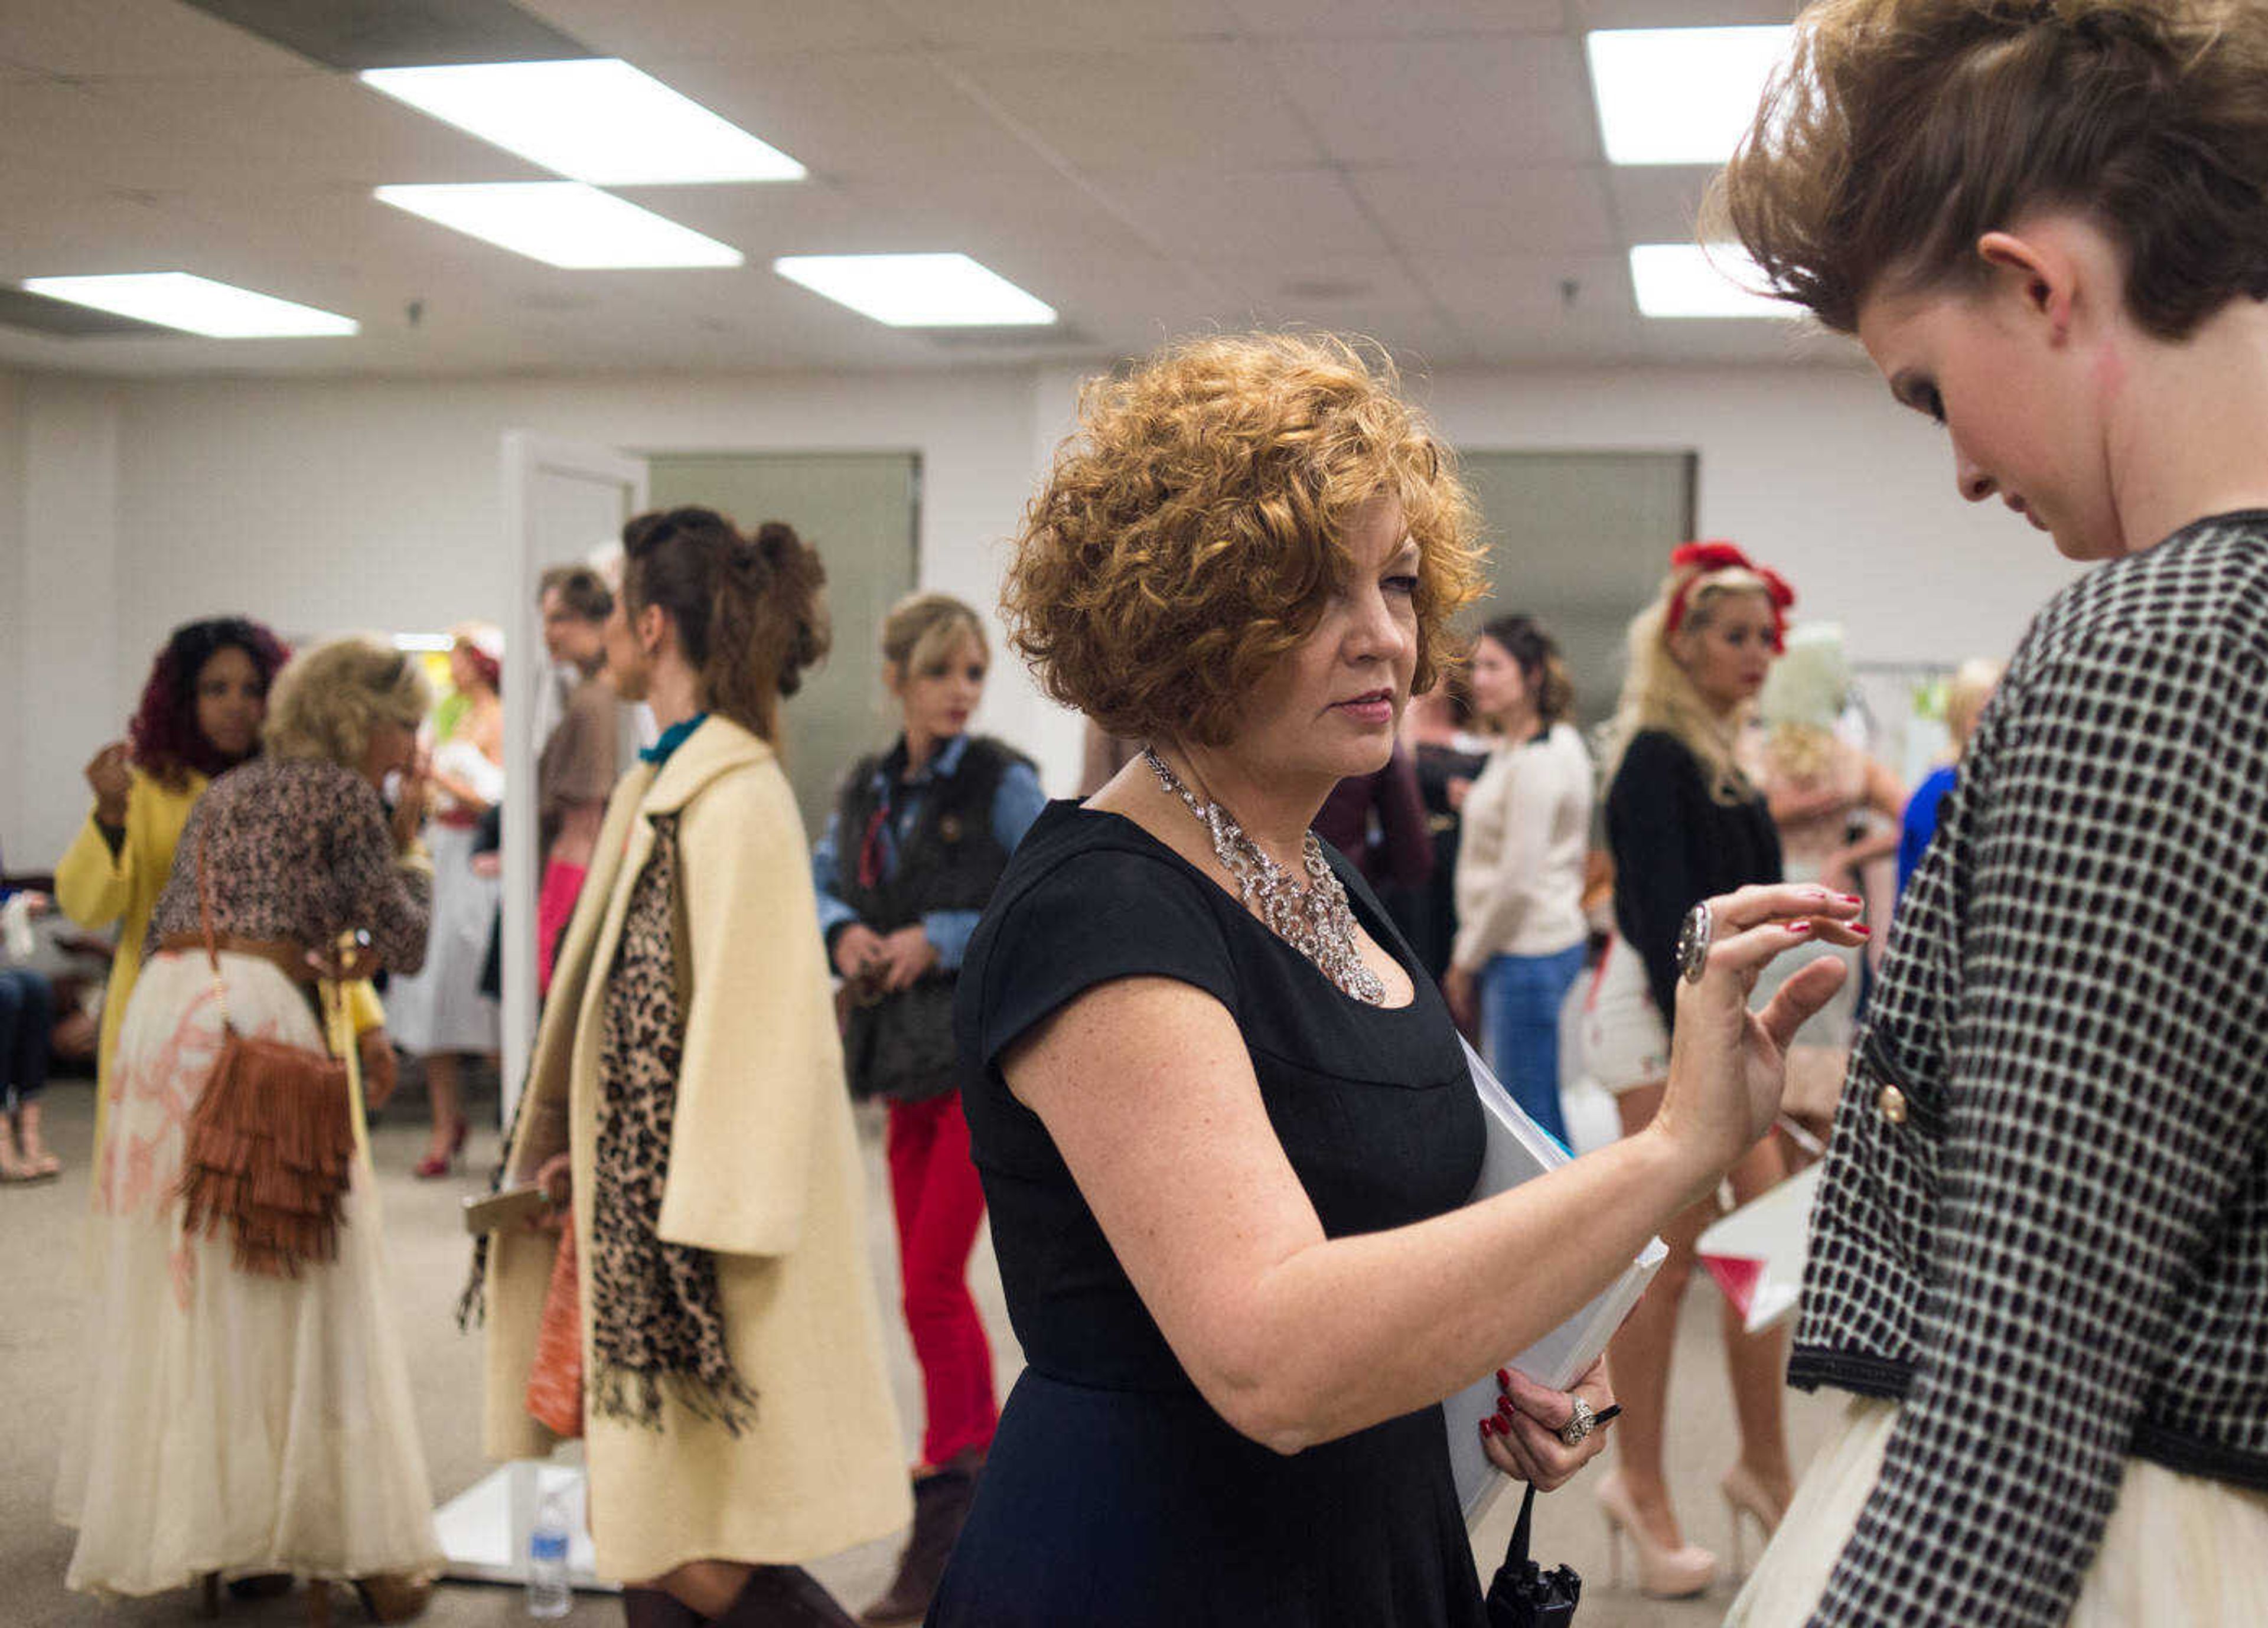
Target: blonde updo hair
<point>1657,692</point>
<point>329,700</point>
<point>919,634</point>
<point>1192,532</point>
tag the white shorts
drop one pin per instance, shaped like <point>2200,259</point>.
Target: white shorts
<point>1625,1043</point>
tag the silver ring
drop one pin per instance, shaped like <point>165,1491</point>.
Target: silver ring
<point>1579,1425</point>
<point>1693,942</point>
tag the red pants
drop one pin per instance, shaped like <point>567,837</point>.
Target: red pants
<point>938,1205</point>
<point>555,908</point>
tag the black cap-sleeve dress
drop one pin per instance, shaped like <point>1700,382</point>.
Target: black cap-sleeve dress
<point>1115,1495</point>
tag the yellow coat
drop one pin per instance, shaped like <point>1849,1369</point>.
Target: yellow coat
<point>96,887</point>
<point>763,1170</point>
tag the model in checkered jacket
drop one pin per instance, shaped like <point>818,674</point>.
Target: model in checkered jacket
<point>2040,1257</point>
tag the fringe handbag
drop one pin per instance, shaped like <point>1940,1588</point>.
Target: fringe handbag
<point>270,1142</point>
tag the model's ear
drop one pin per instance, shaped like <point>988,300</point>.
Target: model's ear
<point>651,627</point>
<point>2039,271</point>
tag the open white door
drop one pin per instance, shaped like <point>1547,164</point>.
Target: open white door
<point>563,502</point>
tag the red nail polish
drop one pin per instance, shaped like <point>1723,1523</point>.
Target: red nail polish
<point>1799,927</point>
<point>1488,1427</point>
<point>1504,1411</point>
<point>1860,928</point>
<point>1851,898</point>
<point>1504,1378</point>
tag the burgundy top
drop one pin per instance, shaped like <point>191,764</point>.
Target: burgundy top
<point>1401,848</point>
<point>300,849</point>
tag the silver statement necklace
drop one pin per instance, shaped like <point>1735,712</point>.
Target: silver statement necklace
<point>1314,919</point>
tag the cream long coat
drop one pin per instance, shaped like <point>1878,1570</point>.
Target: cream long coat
<point>764,1169</point>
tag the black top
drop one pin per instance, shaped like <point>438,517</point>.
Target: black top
<point>2043,1222</point>
<point>1674,845</point>
<point>1114,1494</point>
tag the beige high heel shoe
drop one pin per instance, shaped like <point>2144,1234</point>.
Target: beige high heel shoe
<point>1663,1573</point>
<point>1746,1495</point>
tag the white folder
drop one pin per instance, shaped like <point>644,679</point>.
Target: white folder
<point>1519,1148</point>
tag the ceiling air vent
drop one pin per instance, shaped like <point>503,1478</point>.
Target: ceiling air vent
<point>351,35</point>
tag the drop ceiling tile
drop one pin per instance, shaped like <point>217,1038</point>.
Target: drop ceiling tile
<point>1482,286</point>
<point>1216,214</point>
<point>1274,290</point>
<point>1520,98</point>
<point>1658,204</point>
<point>741,30</point>
<point>845,115</point>
<point>1489,209</point>
<point>136,39</point>
<point>1590,14</point>
<point>88,231</point>
<point>1161,106</point>
<point>1313,20</point>
<point>1042,25</point>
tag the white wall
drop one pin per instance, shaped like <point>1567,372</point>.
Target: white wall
<point>1817,473</point>
<point>324,506</point>
<point>13,702</point>
<point>69,690</point>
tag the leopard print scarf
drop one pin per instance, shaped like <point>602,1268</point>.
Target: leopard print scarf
<point>657,1322</point>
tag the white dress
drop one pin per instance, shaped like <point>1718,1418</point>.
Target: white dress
<point>441,1008</point>
<point>230,1423</point>
<point>2180,1551</point>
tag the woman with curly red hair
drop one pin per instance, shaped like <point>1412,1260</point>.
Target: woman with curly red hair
<point>200,715</point>
<point>1221,1115</point>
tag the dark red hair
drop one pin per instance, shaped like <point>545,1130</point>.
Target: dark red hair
<point>167,743</point>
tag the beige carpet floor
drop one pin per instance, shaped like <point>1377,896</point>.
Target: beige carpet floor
<point>41,1333</point>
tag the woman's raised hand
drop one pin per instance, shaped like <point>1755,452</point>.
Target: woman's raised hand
<point>1728,1066</point>
<point>415,797</point>
<point>106,772</point>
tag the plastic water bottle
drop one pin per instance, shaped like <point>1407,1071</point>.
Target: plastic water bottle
<point>549,1595</point>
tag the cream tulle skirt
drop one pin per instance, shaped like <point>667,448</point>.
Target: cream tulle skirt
<point>2181,1551</point>
<point>230,1423</point>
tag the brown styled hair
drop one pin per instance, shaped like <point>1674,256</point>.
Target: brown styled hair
<point>580,589</point>
<point>1900,131</point>
<point>1191,532</point>
<point>750,612</point>
<point>1536,653</point>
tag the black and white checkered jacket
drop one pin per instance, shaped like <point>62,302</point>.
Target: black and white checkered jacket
<point>2043,1222</point>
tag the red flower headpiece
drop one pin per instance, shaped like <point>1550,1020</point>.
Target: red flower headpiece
<point>1700,559</point>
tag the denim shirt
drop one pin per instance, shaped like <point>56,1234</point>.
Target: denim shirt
<point>1015,806</point>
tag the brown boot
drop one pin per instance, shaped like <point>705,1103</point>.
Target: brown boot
<point>391,1596</point>
<point>783,1596</point>
<point>658,1608</point>
<point>942,1500</point>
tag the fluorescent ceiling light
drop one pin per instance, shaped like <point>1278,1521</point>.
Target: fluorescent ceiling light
<point>562,223</point>
<point>597,120</point>
<point>195,304</point>
<point>1681,95</point>
<point>918,291</point>
<point>1686,280</point>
